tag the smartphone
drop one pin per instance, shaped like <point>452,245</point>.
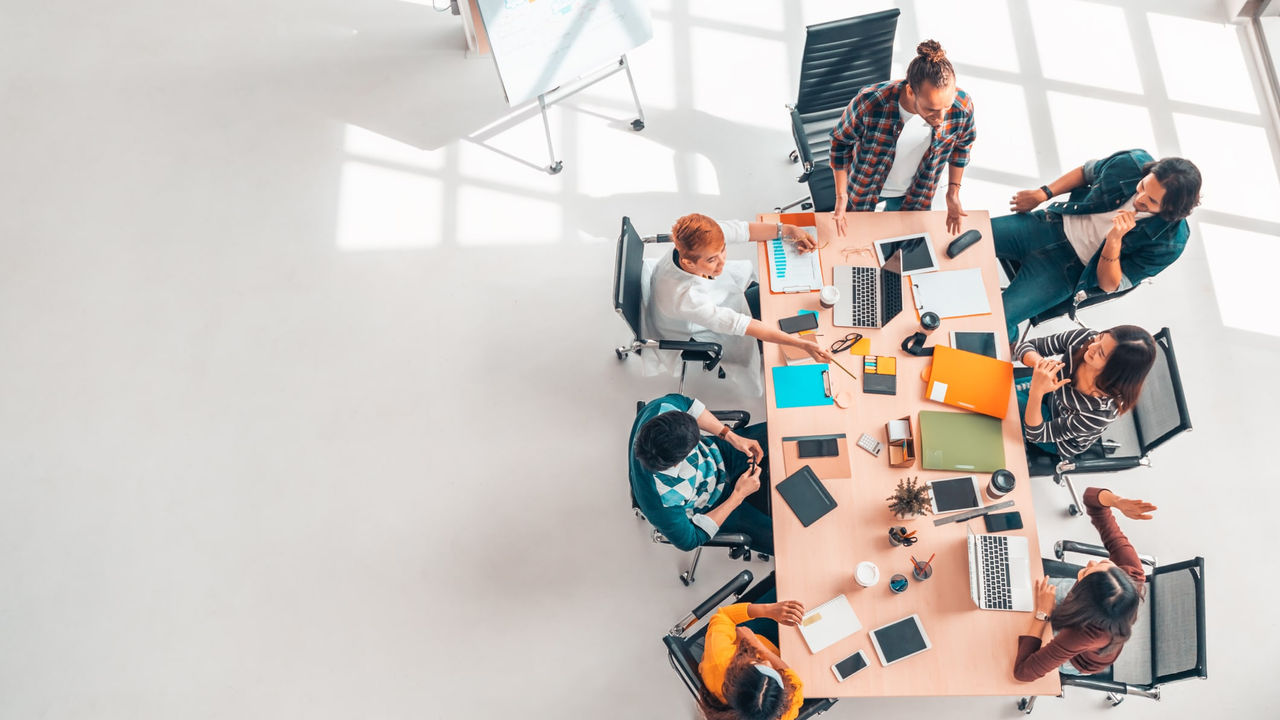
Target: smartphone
<point>826,447</point>
<point>797,323</point>
<point>999,522</point>
<point>847,667</point>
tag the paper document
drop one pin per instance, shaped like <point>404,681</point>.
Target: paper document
<point>791,271</point>
<point>951,293</point>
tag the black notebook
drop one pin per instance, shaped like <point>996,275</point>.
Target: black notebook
<point>879,384</point>
<point>806,495</point>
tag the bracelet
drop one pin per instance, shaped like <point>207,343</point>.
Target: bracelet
<point>1048,194</point>
<point>724,432</point>
<point>1110,259</point>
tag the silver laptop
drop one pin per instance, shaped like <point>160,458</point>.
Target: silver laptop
<point>869,297</point>
<point>1000,572</point>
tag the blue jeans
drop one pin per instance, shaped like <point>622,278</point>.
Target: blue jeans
<point>1050,267</point>
<point>893,204</point>
<point>1023,390</point>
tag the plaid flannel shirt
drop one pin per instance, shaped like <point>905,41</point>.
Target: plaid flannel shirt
<point>864,141</point>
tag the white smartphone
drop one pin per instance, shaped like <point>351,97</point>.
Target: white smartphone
<point>847,667</point>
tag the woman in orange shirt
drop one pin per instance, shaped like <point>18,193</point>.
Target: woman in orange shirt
<point>743,676</point>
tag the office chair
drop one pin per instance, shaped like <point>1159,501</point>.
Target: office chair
<point>1160,413</point>
<point>840,58</point>
<point>1168,640</point>
<point>1083,299</point>
<point>630,294</point>
<point>685,651</point>
<point>739,544</point>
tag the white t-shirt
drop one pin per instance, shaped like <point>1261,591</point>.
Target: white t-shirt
<point>1086,233</point>
<point>913,141</point>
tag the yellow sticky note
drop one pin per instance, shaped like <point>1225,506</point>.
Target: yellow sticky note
<point>862,347</point>
<point>815,617</point>
<point>886,365</point>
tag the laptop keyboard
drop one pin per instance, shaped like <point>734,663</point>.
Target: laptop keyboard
<point>891,296</point>
<point>995,572</point>
<point>863,293</point>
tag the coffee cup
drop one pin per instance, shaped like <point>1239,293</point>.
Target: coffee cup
<point>866,573</point>
<point>829,296</point>
<point>1002,483</point>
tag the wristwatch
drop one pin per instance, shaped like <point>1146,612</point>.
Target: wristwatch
<point>724,432</point>
<point>780,236</point>
<point>1042,615</point>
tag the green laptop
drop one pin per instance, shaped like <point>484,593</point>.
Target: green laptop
<point>960,441</point>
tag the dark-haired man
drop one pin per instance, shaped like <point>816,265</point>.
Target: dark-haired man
<point>691,486</point>
<point>1124,222</point>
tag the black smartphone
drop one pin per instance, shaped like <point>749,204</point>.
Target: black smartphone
<point>797,323</point>
<point>826,447</point>
<point>850,665</point>
<point>999,522</point>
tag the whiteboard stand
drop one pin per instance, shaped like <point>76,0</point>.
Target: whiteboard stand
<point>557,94</point>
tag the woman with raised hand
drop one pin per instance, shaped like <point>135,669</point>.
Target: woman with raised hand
<point>743,676</point>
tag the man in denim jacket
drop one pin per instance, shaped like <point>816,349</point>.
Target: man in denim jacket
<point>1124,221</point>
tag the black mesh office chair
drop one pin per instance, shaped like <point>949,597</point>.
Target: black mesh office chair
<point>1070,307</point>
<point>840,58</point>
<point>684,650</point>
<point>1160,414</point>
<point>628,301</point>
<point>739,544</point>
<point>1168,640</point>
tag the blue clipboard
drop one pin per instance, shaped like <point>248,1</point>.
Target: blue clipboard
<point>802,385</point>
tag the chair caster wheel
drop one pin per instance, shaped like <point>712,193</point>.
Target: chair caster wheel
<point>1072,510</point>
<point>806,206</point>
<point>684,578</point>
<point>762,557</point>
<point>621,355</point>
<point>637,125</point>
<point>795,157</point>
<point>555,169</point>
<point>720,374</point>
<point>1025,706</point>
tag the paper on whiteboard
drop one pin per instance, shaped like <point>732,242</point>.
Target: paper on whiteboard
<point>792,271</point>
<point>951,293</point>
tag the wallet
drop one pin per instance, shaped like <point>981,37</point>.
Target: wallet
<point>807,497</point>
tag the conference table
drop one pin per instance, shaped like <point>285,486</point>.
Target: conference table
<point>972,650</point>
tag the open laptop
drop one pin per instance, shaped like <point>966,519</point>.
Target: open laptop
<point>1000,572</point>
<point>869,297</point>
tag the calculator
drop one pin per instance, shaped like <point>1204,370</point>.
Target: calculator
<point>870,444</point>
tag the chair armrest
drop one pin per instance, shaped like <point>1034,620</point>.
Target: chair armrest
<point>1109,686</point>
<point>735,419</point>
<point>707,353</point>
<point>735,587</point>
<point>728,540</point>
<point>1101,465</point>
<point>1065,546</point>
<point>802,143</point>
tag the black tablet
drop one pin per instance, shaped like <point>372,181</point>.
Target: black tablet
<point>900,640</point>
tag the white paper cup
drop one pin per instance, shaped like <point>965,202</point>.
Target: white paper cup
<point>866,573</point>
<point>829,296</point>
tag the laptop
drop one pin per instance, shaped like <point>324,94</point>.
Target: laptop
<point>869,297</point>
<point>1000,572</point>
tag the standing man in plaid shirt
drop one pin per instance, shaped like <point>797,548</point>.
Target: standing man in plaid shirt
<point>893,139</point>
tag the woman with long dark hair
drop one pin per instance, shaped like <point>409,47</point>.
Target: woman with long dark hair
<point>743,676</point>
<point>1091,615</point>
<point>1070,402</point>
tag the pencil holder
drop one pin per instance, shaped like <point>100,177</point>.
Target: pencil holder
<point>922,571</point>
<point>898,583</point>
<point>898,537</point>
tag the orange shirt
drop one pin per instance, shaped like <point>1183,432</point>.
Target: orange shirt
<point>721,644</point>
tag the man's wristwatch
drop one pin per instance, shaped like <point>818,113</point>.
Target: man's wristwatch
<point>724,432</point>
<point>1042,615</point>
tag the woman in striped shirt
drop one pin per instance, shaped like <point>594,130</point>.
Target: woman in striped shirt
<point>1070,402</point>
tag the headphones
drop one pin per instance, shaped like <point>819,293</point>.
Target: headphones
<point>914,345</point>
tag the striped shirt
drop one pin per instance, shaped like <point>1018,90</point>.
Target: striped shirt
<point>1076,420</point>
<point>865,139</point>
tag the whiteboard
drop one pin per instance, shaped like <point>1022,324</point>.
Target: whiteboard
<point>539,45</point>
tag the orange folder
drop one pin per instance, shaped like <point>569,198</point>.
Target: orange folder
<point>970,381</point>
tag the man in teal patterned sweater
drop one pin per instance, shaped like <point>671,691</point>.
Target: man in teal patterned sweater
<point>692,486</point>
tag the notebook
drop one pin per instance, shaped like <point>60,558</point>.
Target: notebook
<point>960,441</point>
<point>806,495</point>
<point>970,381</point>
<point>829,623</point>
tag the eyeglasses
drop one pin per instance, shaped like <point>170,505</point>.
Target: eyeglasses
<point>846,342</point>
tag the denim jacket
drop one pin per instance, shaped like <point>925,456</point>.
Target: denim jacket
<point>1151,246</point>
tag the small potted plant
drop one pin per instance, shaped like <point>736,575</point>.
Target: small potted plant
<point>909,499</point>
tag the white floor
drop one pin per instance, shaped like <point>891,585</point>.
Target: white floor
<point>310,407</point>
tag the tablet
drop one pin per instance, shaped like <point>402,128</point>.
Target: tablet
<point>954,494</point>
<point>900,640</point>
<point>980,342</point>
<point>917,252</point>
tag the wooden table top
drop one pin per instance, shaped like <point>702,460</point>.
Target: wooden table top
<point>973,650</point>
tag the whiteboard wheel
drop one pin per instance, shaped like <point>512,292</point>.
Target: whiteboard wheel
<point>637,125</point>
<point>555,169</point>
